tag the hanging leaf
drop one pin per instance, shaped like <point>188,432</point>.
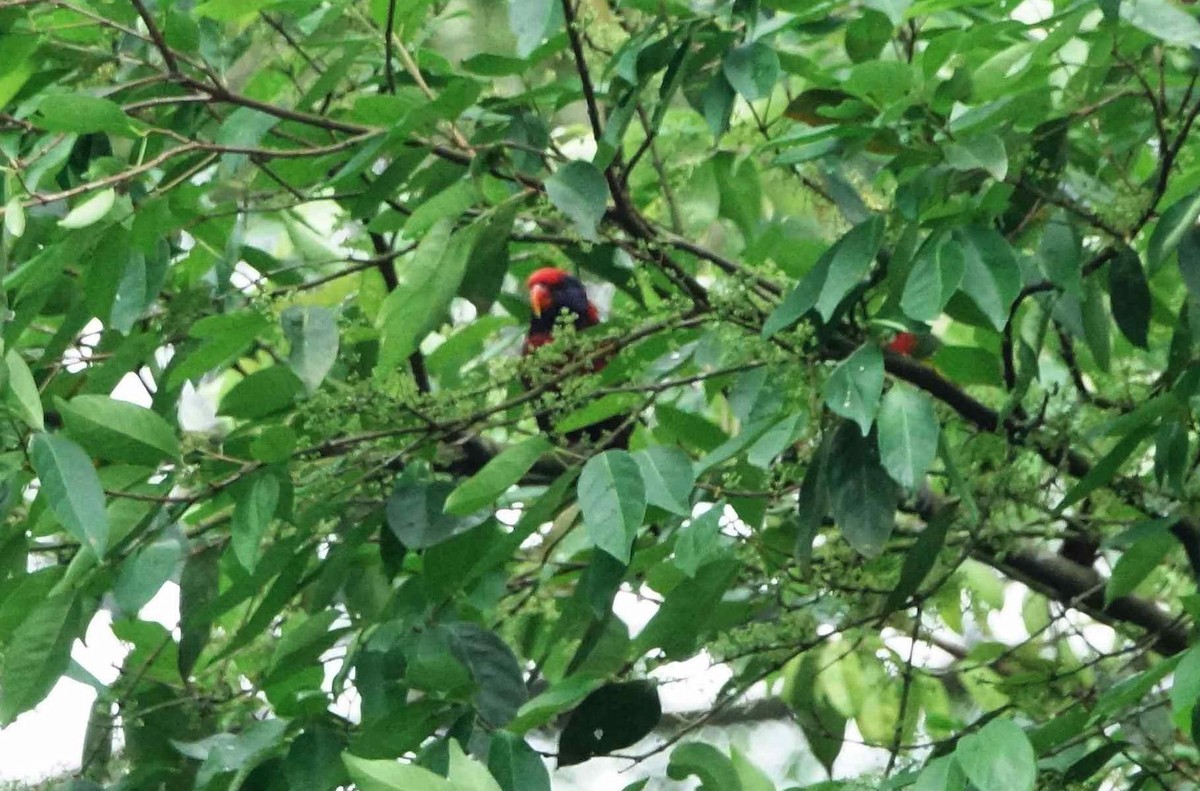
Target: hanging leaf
<point>752,70</point>
<point>855,386</point>
<point>515,765</point>
<point>908,435</point>
<point>416,514</point>
<point>612,498</point>
<point>578,190</point>
<point>1129,295</point>
<point>935,277</point>
<point>36,654</point>
<point>863,496</point>
<point>611,718</point>
<point>72,489</point>
<point>998,758</point>
<point>22,395</point>
<point>90,210</point>
<point>251,517</point>
<point>668,478</point>
<point>313,334</point>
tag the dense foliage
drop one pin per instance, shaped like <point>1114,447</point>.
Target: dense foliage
<point>904,302</point>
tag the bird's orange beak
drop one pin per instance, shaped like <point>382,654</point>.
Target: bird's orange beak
<point>540,299</point>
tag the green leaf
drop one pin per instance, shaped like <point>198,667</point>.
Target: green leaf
<point>1060,255</point>
<point>197,592</point>
<point>908,435</point>
<point>143,574</point>
<point>893,8</point>
<point>752,70</point>
<point>14,218</point>
<point>998,758</point>
<point>531,21</point>
<point>1162,20</point>
<point>1102,471</point>
<point>71,489</point>
<point>686,615</point>
<point>262,393</point>
<point>668,478</point>
<point>611,718</point>
<point>710,765</point>
<point>561,696</point>
<point>500,685</point>
<point>855,386</point>
<point>466,774</point>
<point>119,431</point>
<point>579,190</point>
<point>392,776</point>
<point>515,765</point>
<point>313,334</point>
<point>863,496</point>
<point>935,277</point>
<point>90,210</point>
<point>426,285</point>
<point>503,471</point>
<point>416,514</point>
<point>253,514</point>
<point>82,114</point>
<point>612,498</point>
<point>1136,563</point>
<point>992,278</point>
<point>37,654</point>
<point>1129,295</point>
<point>699,542</point>
<point>1185,689</point>
<point>941,774</point>
<point>22,394</point>
<point>920,559</point>
<point>1097,328</point>
<point>314,762</point>
<point>981,152</point>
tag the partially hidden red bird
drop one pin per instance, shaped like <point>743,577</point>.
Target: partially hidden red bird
<point>553,292</point>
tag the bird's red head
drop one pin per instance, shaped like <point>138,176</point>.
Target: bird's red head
<point>541,288</point>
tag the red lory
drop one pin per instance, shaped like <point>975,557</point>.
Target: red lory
<point>552,293</point>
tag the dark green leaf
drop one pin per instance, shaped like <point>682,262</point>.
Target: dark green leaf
<point>611,718</point>
<point>992,277</point>
<point>314,761</point>
<point>1129,295</point>
<point>863,497</point>
<point>416,514</point>
<point>920,559</point>
<point>934,279</point>
<point>500,685</point>
<point>515,765</point>
<point>197,592</point>
<point>82,114</point>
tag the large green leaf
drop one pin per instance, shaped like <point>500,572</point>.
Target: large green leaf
<point>251,517</point>
<point>992,277</point>
<point>515,765</point>
<point>934,279</point>
<point>1130,296</point>
<point>908,435</point>
<point>22,394</point>
<point>668,477</point>
<point>313,334</point>
<point>710,765</point>
<point>752,70</point>
<point>119,431</point>
<point>855,386</point>
<point>425,286</point>
<point>863,497</point>
<point>72,489</point>
<point>579,191</point>
<point>416,514</point>
<point>998,758</point>
<point>501,472</point>
<point>613,500</point>
<point>37,653</point>
<point>612,717</point>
